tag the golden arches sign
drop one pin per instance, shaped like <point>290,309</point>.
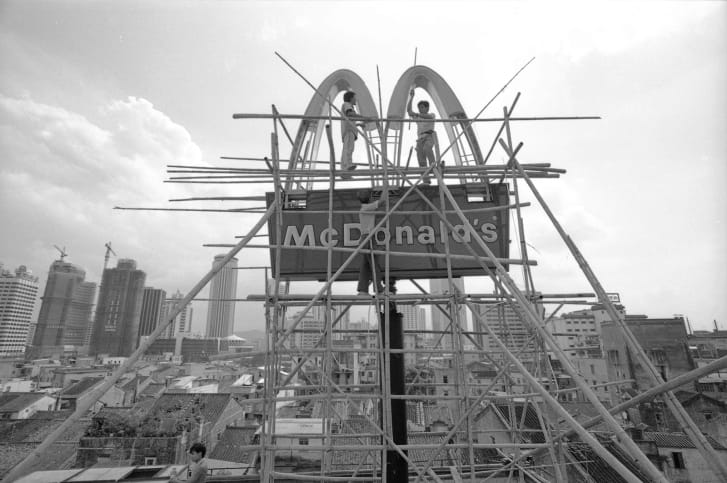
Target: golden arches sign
<point>442,95</point>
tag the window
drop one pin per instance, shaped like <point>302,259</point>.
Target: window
<point>678,460</point>
<point>613,357</point>
<point>149,461</point>
<point>708,415</point>
<point>593,369</point>
<point>303,441</point>
<point>445,379</point>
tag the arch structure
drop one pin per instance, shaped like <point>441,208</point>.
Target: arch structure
<point>466,150</point>
<point>310,132</point>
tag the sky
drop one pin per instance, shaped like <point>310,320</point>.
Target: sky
<point>97,98</point>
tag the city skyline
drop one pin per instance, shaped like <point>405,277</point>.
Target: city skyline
<point>147,108</point>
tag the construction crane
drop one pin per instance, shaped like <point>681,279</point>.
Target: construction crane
<point>109,251</point>
<point>62,251</point>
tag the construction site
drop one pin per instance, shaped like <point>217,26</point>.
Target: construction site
<point>477,396</point>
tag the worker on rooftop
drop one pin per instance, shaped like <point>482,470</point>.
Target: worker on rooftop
<point>370,269</point>
<point>426,137</point>
<point>348,132</point>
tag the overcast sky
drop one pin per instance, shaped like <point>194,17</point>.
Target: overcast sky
<point>97,98</point>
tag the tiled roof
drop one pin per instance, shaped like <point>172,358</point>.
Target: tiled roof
<point>598,469</point>
<point>11,402</point>
<point>228,447</point>
<point>210,406</point>
<point>676,440</point>
<point>20,437</point>
<point>80,387</point>
<point>35,430</point>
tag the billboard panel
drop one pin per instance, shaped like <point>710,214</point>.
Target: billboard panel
<point>413,229</point>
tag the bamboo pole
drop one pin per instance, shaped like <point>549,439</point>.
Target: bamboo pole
<point>670,385</point>
<point>455,120</point>
<point>553,403</point>
<point>328,363</point>
<point>29,461</point>
<point>522,302</point>
<point>512,261</point>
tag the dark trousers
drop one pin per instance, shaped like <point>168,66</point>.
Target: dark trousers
<point>370,266</point>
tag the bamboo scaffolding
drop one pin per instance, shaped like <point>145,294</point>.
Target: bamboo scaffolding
<point>278,333</point>
<point>536,323</point>
<point>686,422</point>
<point>387,215</point>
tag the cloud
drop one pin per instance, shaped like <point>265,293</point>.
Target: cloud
<point>62,173</point>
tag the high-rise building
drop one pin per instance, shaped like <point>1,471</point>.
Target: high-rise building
<point>152,303</point>
<point>412,319</point>
<point>65,311</point>
<point>116,327</point>
<point>182,323</point>
<point>221,307</point>
<point>18,293</point>
<point>440,321</point>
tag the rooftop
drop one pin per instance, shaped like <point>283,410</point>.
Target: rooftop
<point>78,388</point>
<point>677,440</point>
<point>11,402</point>
<point>228,448</point>
<point>210,406</point>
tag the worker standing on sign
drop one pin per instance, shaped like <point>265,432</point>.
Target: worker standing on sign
<point>370,264</point>
<point>426,137</point>
<point>348,132</point>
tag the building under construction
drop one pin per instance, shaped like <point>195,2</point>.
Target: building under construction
<point>475,398</point>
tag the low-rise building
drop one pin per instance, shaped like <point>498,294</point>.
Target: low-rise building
<point>79,392</point>
<point>23,405</point>
<point>663,340</point>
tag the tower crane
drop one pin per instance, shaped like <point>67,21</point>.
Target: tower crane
<point>109,251</point>
<point>62,251</point>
